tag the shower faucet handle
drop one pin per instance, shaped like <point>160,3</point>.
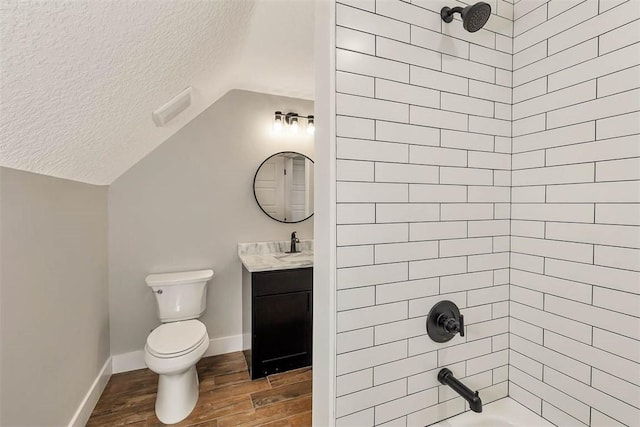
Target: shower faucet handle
<point>444,321</point>
<point>451,324</point>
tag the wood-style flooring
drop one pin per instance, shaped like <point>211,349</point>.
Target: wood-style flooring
<point>227,397</point>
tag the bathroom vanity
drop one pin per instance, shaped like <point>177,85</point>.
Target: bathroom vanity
<point>277,306</point>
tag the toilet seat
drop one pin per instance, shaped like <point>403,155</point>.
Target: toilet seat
<point>175,339</point>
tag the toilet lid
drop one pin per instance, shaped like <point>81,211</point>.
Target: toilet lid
<point>176,337</point>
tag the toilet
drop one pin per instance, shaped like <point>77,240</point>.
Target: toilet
<point>173,348</point>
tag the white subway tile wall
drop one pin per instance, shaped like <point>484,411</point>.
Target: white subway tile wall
<point>499,170</point>
<point>575,241</point>
<point>423,193</point>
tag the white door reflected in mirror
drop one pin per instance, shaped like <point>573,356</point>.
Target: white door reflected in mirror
<point>283,187</point>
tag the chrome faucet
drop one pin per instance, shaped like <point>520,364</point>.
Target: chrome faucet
<point>294,240</point>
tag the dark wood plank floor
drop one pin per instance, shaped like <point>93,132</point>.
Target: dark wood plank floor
<point>227,397</point>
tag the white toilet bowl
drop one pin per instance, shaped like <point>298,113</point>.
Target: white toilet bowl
<point>172,351</point>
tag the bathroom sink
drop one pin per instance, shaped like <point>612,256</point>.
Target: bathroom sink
<point>298,259</point>
<point>271,256</point>
<point>289,255</point>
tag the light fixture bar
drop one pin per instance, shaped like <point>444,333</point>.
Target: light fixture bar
<point>292,119</point>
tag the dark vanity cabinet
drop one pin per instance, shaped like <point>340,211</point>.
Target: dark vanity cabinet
<point>277,320</point>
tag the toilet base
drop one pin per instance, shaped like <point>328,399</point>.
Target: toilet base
<point>177,396</point>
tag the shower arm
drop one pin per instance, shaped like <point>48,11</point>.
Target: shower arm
<point>447,13</point>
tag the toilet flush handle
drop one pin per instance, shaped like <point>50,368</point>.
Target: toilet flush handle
<point>159,292</point>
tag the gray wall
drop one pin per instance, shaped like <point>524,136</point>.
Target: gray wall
<point>53,306</point>
<point>187,205</point>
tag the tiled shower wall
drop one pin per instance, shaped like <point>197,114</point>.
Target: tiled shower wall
<point>574,348</point>
<point>423,192</point>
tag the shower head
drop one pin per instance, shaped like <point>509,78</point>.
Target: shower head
<point>473,17</point>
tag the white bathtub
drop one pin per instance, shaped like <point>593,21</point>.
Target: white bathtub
<point>502,413</point>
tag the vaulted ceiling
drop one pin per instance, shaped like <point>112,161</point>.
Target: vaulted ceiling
<point>79,79</point>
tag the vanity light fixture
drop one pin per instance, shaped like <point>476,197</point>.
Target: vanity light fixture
<point>292,120</point>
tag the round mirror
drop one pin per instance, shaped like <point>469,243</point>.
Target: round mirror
<point>283,187</point>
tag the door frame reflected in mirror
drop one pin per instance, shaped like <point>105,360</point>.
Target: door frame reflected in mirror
<point>255,195</point>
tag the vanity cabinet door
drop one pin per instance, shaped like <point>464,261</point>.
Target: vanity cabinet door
<point>282,329</point>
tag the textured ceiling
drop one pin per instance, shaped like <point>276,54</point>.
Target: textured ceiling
<point>79,79</point>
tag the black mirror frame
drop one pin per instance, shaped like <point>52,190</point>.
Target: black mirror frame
<point>254,186</point>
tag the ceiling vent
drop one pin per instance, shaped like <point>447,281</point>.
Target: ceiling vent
<point>172,108</point>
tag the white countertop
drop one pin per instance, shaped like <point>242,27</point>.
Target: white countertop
<point>269,256</point>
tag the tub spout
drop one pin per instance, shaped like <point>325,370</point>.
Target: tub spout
<point>445,376</point>
<point>475,403</point>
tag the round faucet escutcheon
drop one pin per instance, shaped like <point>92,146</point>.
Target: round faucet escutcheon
<point>444,321</point>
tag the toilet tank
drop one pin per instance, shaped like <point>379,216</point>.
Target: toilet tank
<point>180,296</point>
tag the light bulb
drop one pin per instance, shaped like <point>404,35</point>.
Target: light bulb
<point>294,125</point>
<point>277,122</point>
<point>311,127</point>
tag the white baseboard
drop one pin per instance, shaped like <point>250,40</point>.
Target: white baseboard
<point>87,405</point>
<point>135,359</point>
<point>224,345</point>
<point>126,362</point>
